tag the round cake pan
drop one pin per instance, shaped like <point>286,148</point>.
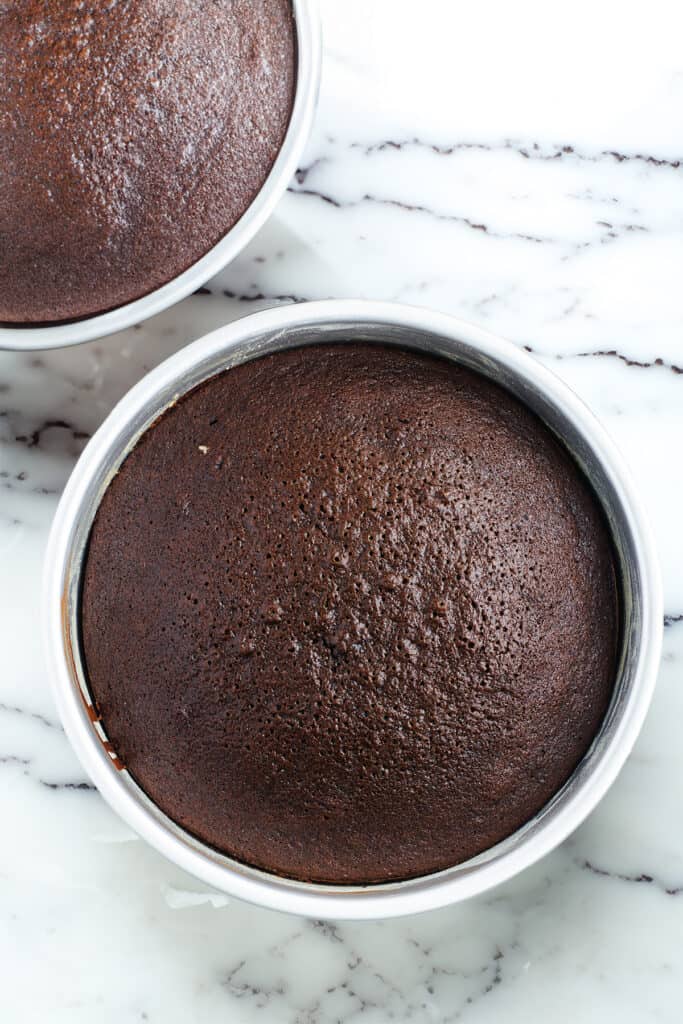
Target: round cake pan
<point>564,414</point>
<point>309,50</point>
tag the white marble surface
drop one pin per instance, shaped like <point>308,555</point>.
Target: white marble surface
<point>520,165</point>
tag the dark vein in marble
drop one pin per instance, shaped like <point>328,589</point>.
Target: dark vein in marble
<point>262,297</point>
<point>492,971</point>
<point>641,879</point>
<point>399,204</point>
<point>528,150</point>
<point>349,988</point>
<point>25,762</point>
<point>532,150</point>
<point>622,227</point>
<point>606,238</point>
<point>303,172</point>
<point>672,620</point>
<point>34,439</point>
<point>610,232</point>
<point>245,989</point>
<point>7,485</point>
<point>87,786</point>
<point>327,929</point>
<point>323,196</point>
<point>351,994</point>
<point>36,716</point>
<point>495,979</point>
<point>612,353</point>
<point>252,296</point>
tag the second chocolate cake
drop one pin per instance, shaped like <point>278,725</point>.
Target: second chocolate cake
<point>133,137</point>
<point>349,614</point>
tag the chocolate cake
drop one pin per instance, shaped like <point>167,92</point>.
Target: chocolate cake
<point>133,136</point>
<point>350,614</point>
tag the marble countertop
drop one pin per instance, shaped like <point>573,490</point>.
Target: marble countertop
<point>518,165</point>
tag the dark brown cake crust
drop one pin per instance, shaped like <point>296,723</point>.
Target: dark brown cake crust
<point>133,136</point>
<point>350,614</point>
